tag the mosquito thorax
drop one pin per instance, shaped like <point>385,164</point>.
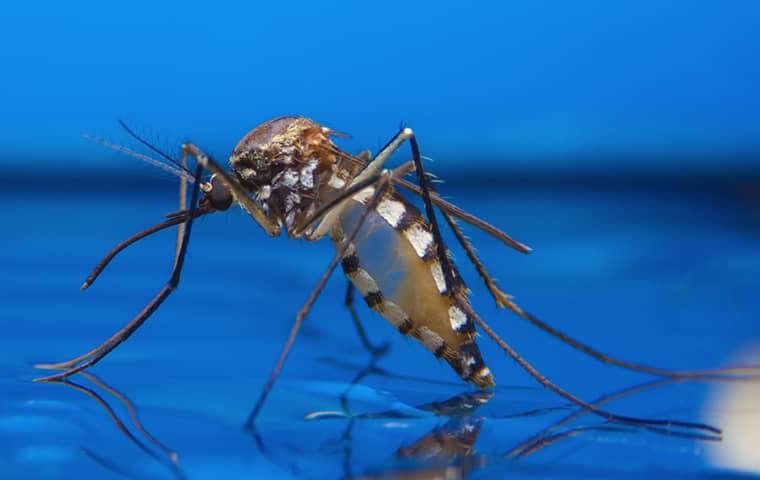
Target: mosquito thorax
<point>287,164</point>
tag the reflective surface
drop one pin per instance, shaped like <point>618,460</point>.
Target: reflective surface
<point>665,277</point>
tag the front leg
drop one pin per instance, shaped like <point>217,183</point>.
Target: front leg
<point>95,355</point>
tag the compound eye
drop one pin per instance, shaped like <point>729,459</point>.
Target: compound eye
<point>220,196</point>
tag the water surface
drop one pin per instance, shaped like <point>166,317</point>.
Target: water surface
<point>667,277</point>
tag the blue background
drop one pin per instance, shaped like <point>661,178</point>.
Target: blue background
<point>619,139</point>
<point>544,84</point>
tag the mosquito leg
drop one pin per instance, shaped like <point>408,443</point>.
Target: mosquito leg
<point>103,264</point>
<point>636,367</point>
<point>331,208</point>
<point>402,171</point>
<point>175,219</point>
<point>447,210</point>
<point>301,315</point>
<point>543,380</point>
<point>116,339</point>
<point>349,302</point>
<point>464,304</point>
<point>329,212</point>
<point>505,300</point>
<point>370,171</point>
<point>182,198</point>
<point>463,215</point>
<point>427,190</point>
<point>383,155</point>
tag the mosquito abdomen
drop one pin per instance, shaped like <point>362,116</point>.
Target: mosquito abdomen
<point>392,262</point>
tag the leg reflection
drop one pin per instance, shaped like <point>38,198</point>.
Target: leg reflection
<point>167,456</point>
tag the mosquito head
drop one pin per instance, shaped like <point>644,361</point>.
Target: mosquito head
<point>283,162</point>
<point>216,194</point>
<point>264,156</point>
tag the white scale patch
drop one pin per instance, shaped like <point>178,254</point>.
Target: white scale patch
<point>432,340</point>
<point>440,280</point>
<point>484,372</point>
<point>286,154</point>
<point>289,178</point>
<point>391,211</point>
<point>365,195</point>
<point>364,282</point>
<point>291,201</point>
<point>467,363</point>
<point>264,193</point>
<point>419,238</point>
<point>247,173</point>
<point>457,317</point>
<point>393,313</point>
<point>307,174</point>
<point>336,182</point>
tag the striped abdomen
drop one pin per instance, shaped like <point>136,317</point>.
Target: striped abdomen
<point>393,262</point>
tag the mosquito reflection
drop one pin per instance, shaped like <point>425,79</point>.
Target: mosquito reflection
<point>445,452</point>
<point>149,444</point>
<point>448,450</point>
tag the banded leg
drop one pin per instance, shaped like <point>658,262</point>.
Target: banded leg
<point>447,268</point>
<point>349,302</point>
<point>383,183</point>
<point>94,356</point>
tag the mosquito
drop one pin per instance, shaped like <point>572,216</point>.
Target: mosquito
<point>288,174</point>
